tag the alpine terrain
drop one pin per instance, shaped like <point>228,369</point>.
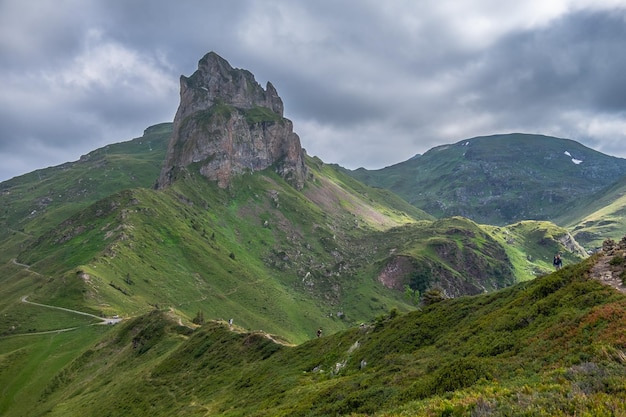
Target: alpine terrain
<point>212,267</point>
<point>503,179</point>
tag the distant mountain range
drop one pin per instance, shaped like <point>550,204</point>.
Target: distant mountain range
<point>503,179</point>
<point>220,245</point>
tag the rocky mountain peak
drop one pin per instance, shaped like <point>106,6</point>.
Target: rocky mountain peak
<point>228,124</point>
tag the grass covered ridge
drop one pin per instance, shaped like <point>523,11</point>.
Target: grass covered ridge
<point>282,263</point>
<point>552,346</point>
<point>260,252</point>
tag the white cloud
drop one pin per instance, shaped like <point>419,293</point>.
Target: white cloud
<point>110,65</point>
<point>337,144</point>
<point>60,110</point>
<point>603,132</point>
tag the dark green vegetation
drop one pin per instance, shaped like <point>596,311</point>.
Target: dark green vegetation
<point>504,179</point>
<point>94,236</point>
<point>552,346</point>
<point>259,114</point>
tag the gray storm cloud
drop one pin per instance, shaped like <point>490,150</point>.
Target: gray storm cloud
<point>365,83</point>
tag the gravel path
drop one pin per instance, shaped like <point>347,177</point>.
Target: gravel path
<point>608,274</point>
<point>103,320</point>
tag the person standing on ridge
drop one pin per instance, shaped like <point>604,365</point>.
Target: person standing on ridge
<point>557,261</point>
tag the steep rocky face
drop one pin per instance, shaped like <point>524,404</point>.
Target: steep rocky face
<point>228,124</point>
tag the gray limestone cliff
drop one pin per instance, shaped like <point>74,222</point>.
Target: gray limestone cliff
<point>229,125</point>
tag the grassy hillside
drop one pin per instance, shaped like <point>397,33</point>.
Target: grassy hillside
<point>279,261</point>
<point>263,253</point>
<point>531,245</point>
<point>260,252</point>
<point>271,257</point>
<point>29,363</point>
<point>551,346</point>
<point>454,255</point>
<point>598,217</point>
<point>500,179</point>
<point>38,201</point>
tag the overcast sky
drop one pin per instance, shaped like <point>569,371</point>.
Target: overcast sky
<point>366,83</point>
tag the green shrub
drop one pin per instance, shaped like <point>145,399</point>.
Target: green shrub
<point>259,114</point>
<point>460,373</point>
<point>433,295</point>
<point>547,285</point>
<point>457,374</point>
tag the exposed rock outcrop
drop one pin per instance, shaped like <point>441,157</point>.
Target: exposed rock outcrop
<point>228,125</point>
<point>610,268</point>
<point>571,245</point>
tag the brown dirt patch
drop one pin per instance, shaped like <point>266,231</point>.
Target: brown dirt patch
<point>608,274</point>
<point>394,273</point>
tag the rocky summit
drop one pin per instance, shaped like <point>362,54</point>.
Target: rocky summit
<point>227,125</point>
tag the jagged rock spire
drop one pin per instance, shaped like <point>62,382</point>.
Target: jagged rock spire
<point>228,124</point>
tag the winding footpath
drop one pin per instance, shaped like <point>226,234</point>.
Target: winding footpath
<point>67,329</point>
<point>24,299</point>
<point>103,320</point>
<point>603,272</point>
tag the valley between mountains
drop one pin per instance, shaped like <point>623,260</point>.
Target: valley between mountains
<point>240,276</point>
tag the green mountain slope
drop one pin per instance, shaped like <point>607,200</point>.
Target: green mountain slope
<point>552,346</point>
<point>270,256</point>
<point>224,255</point>
<point>35,202</point>
<point>531,246</point>
<point>500,179</point>
<point>600,216</point>
<point>281,262</point>
<point>260,252</point>
<point>274,258</point>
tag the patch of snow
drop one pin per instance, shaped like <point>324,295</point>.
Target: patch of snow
<point>567,153</point>
<point>576,161</point>
<point>466,143</point>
